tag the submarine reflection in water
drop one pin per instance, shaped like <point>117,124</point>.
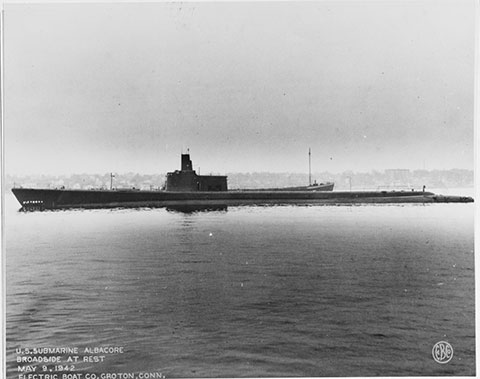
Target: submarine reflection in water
<point>190,208</point>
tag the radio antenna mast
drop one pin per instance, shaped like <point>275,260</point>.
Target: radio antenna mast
<point>309,167</point>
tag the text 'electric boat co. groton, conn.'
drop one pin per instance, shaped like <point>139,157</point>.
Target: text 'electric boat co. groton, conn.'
<point>185,188</point>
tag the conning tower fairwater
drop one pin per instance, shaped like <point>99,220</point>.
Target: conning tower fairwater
<point>187,180</point>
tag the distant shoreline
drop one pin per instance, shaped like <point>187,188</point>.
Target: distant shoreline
<point>373,180</point>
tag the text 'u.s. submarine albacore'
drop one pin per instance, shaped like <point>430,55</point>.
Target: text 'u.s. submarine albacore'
<point>186,188</point>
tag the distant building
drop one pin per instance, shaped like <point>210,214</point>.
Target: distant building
<point>187,180</point>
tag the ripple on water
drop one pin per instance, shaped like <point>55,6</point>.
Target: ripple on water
<point>248,291</point>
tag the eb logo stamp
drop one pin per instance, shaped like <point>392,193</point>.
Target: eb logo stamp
<point>442,352</point>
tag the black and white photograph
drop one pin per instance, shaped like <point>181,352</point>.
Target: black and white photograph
<point>230,189</point>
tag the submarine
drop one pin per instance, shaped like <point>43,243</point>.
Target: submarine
<point>185,187</point>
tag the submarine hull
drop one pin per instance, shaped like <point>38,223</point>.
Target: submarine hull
<point>41,199</point>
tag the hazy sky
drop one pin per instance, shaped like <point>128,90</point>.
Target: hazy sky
<point>246,86</point>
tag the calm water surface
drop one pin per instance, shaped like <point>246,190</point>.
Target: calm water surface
<point>248,291</point>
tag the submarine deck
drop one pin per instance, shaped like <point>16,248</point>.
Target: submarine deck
<point>71,198</point>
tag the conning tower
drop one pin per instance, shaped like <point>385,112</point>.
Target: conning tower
<point>187,180</point>
<point>186,163</point>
